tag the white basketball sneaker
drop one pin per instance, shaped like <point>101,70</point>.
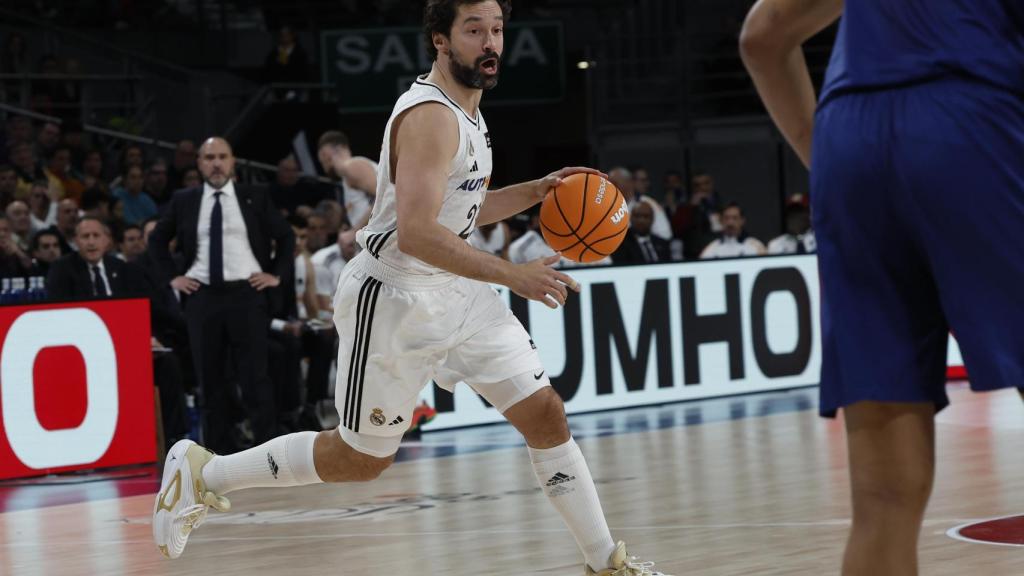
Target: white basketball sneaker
<point>625,565</point>
<point>183,499</point>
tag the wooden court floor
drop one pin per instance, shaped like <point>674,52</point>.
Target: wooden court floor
<point>751,485</point>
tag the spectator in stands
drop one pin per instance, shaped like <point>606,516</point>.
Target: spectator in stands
<point>132,155</point>
<point>494,238</point>
<point>184,160</point>
<point>799,237</point>
<point>356,176</point>
<point>92,171</point>
<point>93,273</point>
<point>132,245</point>
<point>316,233</point>
<point>14,60</point>
<point>13,260</point>
<point>156,182</point>
<point>67,221</point>
<point>67,93</point>
<point>8,185</point>
<point>58,171</point>
<point>42,206</point>
<point>640,246</point>
<point>697,221</point>
<point>137,204</point>
<point>191,178</point>
<point>47,139</point>
<point>20,218</point>
<point>26,167</point>
<point>334,216</point>
<point>530,245</point>
<point>95,204</point>
<point>329,263</point>
<point>45,90</point>
<point>45,251</point>
<point>734,240</point>
<point>673,191</point>
<point>286,63</point>
<point>306,303</point>
<point>19,129</point>
<point>641,182</point>
<point>73,136</point>
<point>230,259</point>
<point>623,180</point>
<point>289,191</point>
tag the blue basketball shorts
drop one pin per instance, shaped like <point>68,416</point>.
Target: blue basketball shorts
<point>917,196</point>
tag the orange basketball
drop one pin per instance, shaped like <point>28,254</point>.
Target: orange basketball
<point>585,218</point>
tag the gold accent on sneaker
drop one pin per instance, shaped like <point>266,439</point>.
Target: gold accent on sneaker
<point>163,550</point>
<point>176,483</point>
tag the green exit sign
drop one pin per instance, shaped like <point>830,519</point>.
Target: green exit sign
<point>371,67</point>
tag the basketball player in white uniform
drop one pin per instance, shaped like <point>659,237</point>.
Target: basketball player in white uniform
<point>416,304</point>
<point>357,176</point>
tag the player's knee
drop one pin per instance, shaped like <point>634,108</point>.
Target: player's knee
<point>549,426</point>
<point>366,467</point>
<point>908,493</point>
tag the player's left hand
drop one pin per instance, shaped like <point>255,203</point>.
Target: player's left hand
<point>545,184</point>
<point>262,280</point>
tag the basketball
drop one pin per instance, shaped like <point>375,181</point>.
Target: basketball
<point>585,218</point>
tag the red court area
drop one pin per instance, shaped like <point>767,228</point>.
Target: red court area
<point>1004,531</point>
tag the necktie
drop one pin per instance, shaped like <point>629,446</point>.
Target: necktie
<point>99,287</point>
<point>649,254</point>
<point>216,242</point>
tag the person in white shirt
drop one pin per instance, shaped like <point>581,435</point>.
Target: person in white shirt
<point>42,203</point>
<point>623,180</point>
<point>329,262</point>
<point>799,237</point>
<point>357,176</point>
<point>531,245</point>
<point>734,240</point>
<point>494,238</point>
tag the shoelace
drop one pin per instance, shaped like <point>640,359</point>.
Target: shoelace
<point>633,566</point>
<point>193,516</point>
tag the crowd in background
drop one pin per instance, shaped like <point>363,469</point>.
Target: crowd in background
<point>76,222</point>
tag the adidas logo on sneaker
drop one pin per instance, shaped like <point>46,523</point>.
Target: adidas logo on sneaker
<point>398,420</point>
<point>560,478</point>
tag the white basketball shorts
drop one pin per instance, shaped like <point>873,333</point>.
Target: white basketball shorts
<point>397,333</point>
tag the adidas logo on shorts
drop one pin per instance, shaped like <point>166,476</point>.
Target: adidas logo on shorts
<point>560,478</point>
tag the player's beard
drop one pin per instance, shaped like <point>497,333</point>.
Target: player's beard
<point>472,76</point>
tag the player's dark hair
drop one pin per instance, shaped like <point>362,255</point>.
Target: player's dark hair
<point>298,221</point>
<point>333,138</point>
<point>439,16</point>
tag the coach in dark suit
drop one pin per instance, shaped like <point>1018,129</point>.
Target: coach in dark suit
<point>92,273</point>
<point>235,246</point>
<point>639,246</point>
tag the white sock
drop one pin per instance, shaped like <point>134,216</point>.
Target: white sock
<point>284,461</point>
<point>565,479</point>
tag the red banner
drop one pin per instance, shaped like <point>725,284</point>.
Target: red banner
<point>76,387</point>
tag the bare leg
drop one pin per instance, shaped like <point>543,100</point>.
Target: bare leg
<point>540,418</point>
<point>892,466</point>
<point>336,461</point>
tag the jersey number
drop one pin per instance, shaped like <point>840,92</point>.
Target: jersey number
<point>472,220</point>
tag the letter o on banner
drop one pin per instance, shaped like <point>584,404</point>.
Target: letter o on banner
<point>35,446</point>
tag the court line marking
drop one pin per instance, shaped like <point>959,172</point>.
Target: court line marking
<point>955,534</point>
<point>296,537</point>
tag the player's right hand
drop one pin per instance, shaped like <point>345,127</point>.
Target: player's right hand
<point>537,280</point>
<point>185,284</point>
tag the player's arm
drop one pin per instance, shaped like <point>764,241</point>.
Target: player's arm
<point>511,200</point>
<point>427,140</point>
<point>359,173</point>
<point>770,45</point>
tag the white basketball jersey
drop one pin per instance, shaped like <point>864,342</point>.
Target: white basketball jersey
<point>468,177</point>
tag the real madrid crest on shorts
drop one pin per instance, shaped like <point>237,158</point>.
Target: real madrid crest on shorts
<point>377,418</point>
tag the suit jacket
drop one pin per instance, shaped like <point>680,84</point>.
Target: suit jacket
<point>631,253</point>
<point>270,237</point>
<point>70,279</point>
